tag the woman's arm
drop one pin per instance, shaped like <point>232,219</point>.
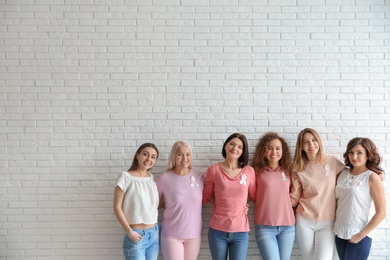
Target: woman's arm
<point>252,184</point>
<point>296,189</point>
<point>120,215</point>
<point>378,197</point>
<point>208,190</point>
<point>160,189</point>
<point>161,204</point>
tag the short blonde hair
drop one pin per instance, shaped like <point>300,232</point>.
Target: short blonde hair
<point>171,159</point>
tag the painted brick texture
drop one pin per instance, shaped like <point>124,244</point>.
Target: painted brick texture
<point>84,82</point>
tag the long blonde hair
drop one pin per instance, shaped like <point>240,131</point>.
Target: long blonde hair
<point>300,157</point>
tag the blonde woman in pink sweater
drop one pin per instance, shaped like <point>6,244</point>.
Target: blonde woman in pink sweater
<point>229,183</point>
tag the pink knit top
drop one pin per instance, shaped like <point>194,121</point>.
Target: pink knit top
<point>231,195</point>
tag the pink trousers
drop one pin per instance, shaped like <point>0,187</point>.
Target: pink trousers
<point>179,249</point>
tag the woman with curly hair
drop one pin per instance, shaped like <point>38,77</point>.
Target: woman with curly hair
<point>357,187</point>
<point>274,216</point>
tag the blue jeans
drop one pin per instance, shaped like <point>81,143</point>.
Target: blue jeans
<point>275,242</point>
<point>223,243</point>
<point>350,251</point>
<point>146,249</point>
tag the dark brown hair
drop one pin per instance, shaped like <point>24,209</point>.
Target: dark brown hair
<point>134,166</point>
<point>373,157</point>
<point>244,158</point>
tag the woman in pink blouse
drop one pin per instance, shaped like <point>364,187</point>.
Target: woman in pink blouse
<point>180,189</point>
<point>274,217</point>
<point>229,183</point>
<point>313,193</point>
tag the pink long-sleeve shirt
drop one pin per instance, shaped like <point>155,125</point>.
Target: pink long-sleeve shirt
<point>313,189</point>
<point>230,195</point>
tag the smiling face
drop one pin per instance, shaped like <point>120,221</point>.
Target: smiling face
<point>183,157</point>
<point>310,145</point>
<point>234,148</point>
<point>274,152</point>
<point>147,158</point>
<point>358,156</point>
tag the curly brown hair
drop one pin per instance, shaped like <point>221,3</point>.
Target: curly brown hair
<point>259,159</point>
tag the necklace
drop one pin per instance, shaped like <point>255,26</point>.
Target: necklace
<point>349,179</point>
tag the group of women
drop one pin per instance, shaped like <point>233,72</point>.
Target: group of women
<point>331,200</point>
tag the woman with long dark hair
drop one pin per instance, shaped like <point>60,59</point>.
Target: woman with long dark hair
<point>357,187</point>
<point>136,206</point>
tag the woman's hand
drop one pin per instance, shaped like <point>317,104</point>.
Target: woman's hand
<point>246,208</point>
<point>134,236</point>
<point>356,238</point>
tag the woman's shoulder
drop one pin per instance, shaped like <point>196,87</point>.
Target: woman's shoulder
<point>161,176</point>
<point>196,172</point>
<point>123,179</point>
<point>214,167</point>
<point>249,169</point>
<point>123,175</point>
<point>166,173</point>
<point>331,158</point>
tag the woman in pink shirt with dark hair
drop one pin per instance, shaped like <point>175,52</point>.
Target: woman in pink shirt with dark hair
<point>229,183</point>
<point>274,216</point>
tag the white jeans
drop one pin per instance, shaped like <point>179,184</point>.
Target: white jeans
<point>315,238</point>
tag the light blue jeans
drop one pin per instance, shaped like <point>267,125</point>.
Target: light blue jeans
<point>146,249</point>
<point>275,242</point>
<point>223,243</point>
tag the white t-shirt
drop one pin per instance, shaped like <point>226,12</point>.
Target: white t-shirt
<point>141,199</point>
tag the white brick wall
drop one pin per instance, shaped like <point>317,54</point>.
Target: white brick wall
<point>83,83</point>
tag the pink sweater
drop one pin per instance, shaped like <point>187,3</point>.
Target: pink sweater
<point>231,195</point>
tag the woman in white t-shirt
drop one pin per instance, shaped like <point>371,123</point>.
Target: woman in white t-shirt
<point>135,206</point>
<point>356,189</point>
<point>180,189</point>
